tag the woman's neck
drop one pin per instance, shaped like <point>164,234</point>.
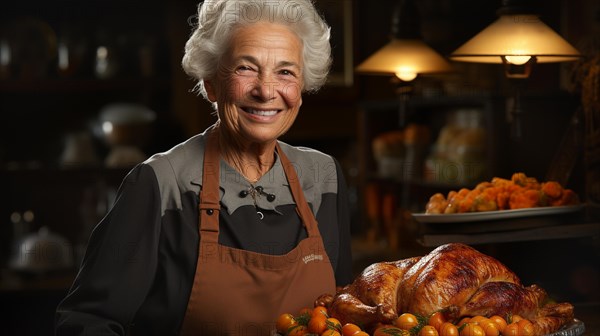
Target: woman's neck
<point>251,160</point>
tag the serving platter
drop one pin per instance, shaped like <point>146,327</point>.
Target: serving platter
<point>495,215</point>
<point>575,328</point>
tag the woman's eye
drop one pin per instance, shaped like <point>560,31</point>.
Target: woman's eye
<point>243,68</point>
<point>287,73</point>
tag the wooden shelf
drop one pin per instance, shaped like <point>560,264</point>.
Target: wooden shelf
<point>13,282</point>
<point>40,173</point>
<point>80,85</point>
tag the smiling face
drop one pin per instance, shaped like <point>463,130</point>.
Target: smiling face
<point>259,83</point>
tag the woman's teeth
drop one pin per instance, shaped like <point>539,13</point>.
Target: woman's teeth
<point>262,113</point>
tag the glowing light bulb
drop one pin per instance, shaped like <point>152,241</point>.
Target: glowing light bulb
<point>107,127</point>
<point>406,76</point>
<point>517,60</point>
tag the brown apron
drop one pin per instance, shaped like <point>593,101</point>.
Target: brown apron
<point>238,292</point>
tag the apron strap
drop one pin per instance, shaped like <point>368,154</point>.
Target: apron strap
<point>209,206</point>
<point>306,215</point>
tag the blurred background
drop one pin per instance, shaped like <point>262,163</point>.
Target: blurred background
<point>89,89</point>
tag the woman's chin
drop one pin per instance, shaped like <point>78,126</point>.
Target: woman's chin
<point>262,134</point>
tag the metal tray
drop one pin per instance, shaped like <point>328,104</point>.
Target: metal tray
<point>495,215</point>
<point>575,328</point>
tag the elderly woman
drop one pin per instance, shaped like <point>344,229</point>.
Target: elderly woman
<point>233,227</point>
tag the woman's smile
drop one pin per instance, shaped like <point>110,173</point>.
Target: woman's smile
<point>261,114</point>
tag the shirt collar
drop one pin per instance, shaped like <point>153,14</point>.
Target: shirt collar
<point>274,182</point>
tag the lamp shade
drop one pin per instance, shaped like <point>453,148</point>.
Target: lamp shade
<point>405,58</point>
<point>516,35</point>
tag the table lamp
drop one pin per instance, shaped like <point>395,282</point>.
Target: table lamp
<point>518,39</point>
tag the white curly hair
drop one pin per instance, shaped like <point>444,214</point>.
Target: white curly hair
<point>216,19</point>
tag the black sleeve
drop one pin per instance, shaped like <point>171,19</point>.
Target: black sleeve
<point>119,265</point>
<point>343,272</point>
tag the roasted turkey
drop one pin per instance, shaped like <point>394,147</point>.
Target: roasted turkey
<point>454,278</point>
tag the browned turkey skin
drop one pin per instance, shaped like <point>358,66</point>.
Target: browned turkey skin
<point>453,278</point>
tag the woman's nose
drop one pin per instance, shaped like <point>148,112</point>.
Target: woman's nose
<point>264,89</point>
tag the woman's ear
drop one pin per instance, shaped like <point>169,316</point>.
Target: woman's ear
<point>210,91</point>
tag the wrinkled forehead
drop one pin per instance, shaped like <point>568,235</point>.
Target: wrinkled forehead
<point>266,40</point>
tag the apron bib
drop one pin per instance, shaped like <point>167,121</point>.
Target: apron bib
<point>238,292</point>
